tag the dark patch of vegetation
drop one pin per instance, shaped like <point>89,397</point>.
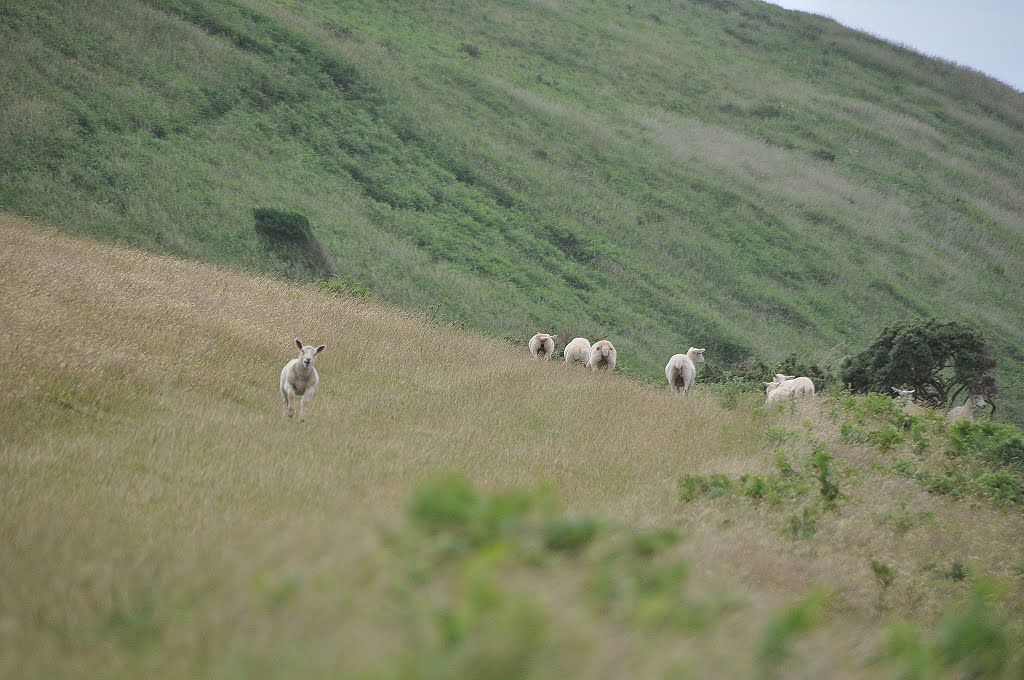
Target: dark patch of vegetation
<point>939,360</point>
<point>291,236</point>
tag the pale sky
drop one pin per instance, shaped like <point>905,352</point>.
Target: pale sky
<point>987,35</point>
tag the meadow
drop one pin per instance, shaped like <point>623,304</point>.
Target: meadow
<point>667,173</point>
<point>453,508</point>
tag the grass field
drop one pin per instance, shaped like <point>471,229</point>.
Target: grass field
<point>163,519</point>
<point>667,173</point>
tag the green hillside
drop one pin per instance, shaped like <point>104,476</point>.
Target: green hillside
<point>718,173</point>
<point>452,508</point>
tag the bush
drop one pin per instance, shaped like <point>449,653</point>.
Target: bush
<point>570,533</point>
<point>291,237</point>
<point>997,443</point>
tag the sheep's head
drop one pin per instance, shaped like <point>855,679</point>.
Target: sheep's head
<point>308,354</point>
<point>778,378</point>
<point>696,355</point>
<point>976,401</point>
<point>771,387</point>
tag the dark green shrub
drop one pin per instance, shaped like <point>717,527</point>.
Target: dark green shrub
<point>938,360</point>
<point>570,533</point>
<point>885,439</point>
<point>291,237</point>
<point>822,461</point>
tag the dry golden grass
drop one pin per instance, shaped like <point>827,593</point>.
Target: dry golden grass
<point>161,517</point>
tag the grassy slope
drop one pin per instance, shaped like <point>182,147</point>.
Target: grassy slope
<point>725,174</point>
<point>161,519</point>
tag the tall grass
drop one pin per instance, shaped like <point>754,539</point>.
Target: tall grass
<point>163,519</point>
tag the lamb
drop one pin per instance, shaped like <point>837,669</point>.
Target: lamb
<point>578,349</point>
<point>542,346</point>
<point>796,387</point>
<point>299,378</point>
<point>602,355</point>
<point>971,408</point>
<point>680,370</point>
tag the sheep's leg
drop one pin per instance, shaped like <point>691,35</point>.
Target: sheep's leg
<point>289,403</point>
<point>306,398</point>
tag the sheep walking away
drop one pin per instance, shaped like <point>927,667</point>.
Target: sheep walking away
<point>681,370</point>
<point>542,346</point>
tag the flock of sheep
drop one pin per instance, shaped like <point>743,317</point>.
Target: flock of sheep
<point>300,379</point>
<point>681,370</point>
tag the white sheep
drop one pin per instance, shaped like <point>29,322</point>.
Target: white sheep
<point>578,349</point>
<point>971,408</point>
<point>299,378</point>
<point>795,387</point>
<point>904,397</point>
<point>542,346</point>
<point>680,370</point>
<point>602,355</point>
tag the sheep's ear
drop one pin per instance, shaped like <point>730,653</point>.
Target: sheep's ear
<point>911,391</point>
<point>298,343</point>
<point>768,384</point>
<point>894,389</point>
<point>321,348</point>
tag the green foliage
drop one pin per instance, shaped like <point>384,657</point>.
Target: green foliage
<point>886,439</point>
<point>692,487</point>
<point>996,443</point>
<point>647,543</point>
<point>936,359</point>
<point>770,488</point>
<point>884,574</point>
<point>291,236</point>
<point>448,502</point>
<point>750,374</point>
<point>803,525</point>
<point>570,533</point>
<point>903,521</point>
<point>778,637</point>
<point>827,485</point>
<point>975,640</point>
<point>483,626</point>
<point>957,571</point>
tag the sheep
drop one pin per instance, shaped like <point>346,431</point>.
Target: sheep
<point>971,408</point>
<point>680,370</point>
<point>904,397</point>
<point>790,388</point>
<point>299,378</point>
<point>602,355</point>
<point>578,349</point>
<point>542,346</point>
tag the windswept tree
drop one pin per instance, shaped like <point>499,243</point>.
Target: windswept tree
<point>939,360</point>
